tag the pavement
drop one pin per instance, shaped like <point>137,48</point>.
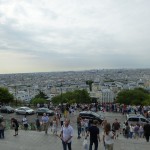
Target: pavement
<point>34,140</point>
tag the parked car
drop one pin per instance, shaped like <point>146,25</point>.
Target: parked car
<point>24,111</point>
<point>48,112</point>
<point>137,119</point>
<point>7,109</point>
<point>91,116</point>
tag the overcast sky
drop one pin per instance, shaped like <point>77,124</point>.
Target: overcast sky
<point>63,35</point>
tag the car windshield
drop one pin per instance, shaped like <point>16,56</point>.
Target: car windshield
<point>8,107</point>
<point>27,108</point>
<point>44,109</point>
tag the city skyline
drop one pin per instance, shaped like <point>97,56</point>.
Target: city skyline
<point>62,35</point>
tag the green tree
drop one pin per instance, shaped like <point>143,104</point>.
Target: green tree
<point>35,101</point>
<point>78,96</point>
<point>41,95</point>
<point>5,96</point>
<point>136,96</point>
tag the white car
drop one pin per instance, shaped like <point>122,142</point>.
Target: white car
<point>24,111</point>
<point>136,119</point>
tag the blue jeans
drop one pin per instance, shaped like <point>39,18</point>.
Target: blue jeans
<point>65,145</point>
<point>131,135</point>
<point>1,133</point>
<point>79,131</point>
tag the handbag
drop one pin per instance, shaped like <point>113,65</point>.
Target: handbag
<point>85,144</point>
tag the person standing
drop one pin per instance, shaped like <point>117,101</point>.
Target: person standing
<point>2,128</point>
<point>45,122</point>
<point>25,122</point>
<point>141,131</point>
<point>136,131</point>
<point>131,130</point>
<point>116,127</point>
<point>147,131</point>
<point>66,135</point>
<point>55,125</point>
<point>15,124</point>
<point>62,119</point>
<point>94,135</point>
<point>79,126</point>
<point>104,123</point>
<point>108,137</point>
<point>38,125</point>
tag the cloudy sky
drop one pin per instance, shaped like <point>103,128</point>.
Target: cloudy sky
<point>62,35</point>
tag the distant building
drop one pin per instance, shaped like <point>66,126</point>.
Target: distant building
<point>23,96</point>
<point>107,96</point>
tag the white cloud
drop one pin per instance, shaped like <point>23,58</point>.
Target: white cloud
<point>74,34</point>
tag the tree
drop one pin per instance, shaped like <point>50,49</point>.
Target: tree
<point>41,95</point>
<point>137,96</point>
<point>36,101</point>
<point>5,96</point>
<point>89,82</point>
<point>77,96</point>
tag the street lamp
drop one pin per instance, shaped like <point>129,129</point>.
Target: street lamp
<point>61,91</point>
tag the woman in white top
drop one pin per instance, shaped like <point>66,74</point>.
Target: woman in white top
<point>131,130</point>
<point>108,137</point>
<point>55,125</point>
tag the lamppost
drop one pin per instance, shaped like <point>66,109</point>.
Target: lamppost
<point>15,87</point>
<point>61,91</point>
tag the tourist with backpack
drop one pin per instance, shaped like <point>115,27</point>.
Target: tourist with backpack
<point>15,125</point>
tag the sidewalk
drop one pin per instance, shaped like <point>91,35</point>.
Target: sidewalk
<point>33,140</point>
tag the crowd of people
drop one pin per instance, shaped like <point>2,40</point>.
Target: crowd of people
<point>85,127</point>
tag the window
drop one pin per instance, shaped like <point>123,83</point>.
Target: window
<point>133,119</point>
<point>143,120</point>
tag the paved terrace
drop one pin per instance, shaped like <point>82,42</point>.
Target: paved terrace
<point>33,140</point>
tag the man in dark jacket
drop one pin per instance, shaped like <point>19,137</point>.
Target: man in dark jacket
<point>2,127</point>
<point>94,135</point>
<point>147,131</point>
<point>115,128</point>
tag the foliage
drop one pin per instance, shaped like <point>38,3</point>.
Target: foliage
<point>136,96</point>
<point>5,96</point>
<point>77,96</point>
<point>41,95</point>
<point>35,101</point>
<point>89,82</point>
<point>39,98</point>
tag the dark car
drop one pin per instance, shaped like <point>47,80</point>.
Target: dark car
<point>91,116</point>
<point>41,111</point>
<point>7,109</point>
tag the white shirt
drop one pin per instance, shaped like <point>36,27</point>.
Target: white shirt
<point>24,121</point>
<point>131,128</point>
<point>67,132</point>
<point>108,138</point>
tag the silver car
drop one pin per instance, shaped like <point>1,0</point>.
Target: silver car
<point>24,111</point>
<point>137,119</point>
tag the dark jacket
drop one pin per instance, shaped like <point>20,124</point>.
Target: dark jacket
<point>147,129</point>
